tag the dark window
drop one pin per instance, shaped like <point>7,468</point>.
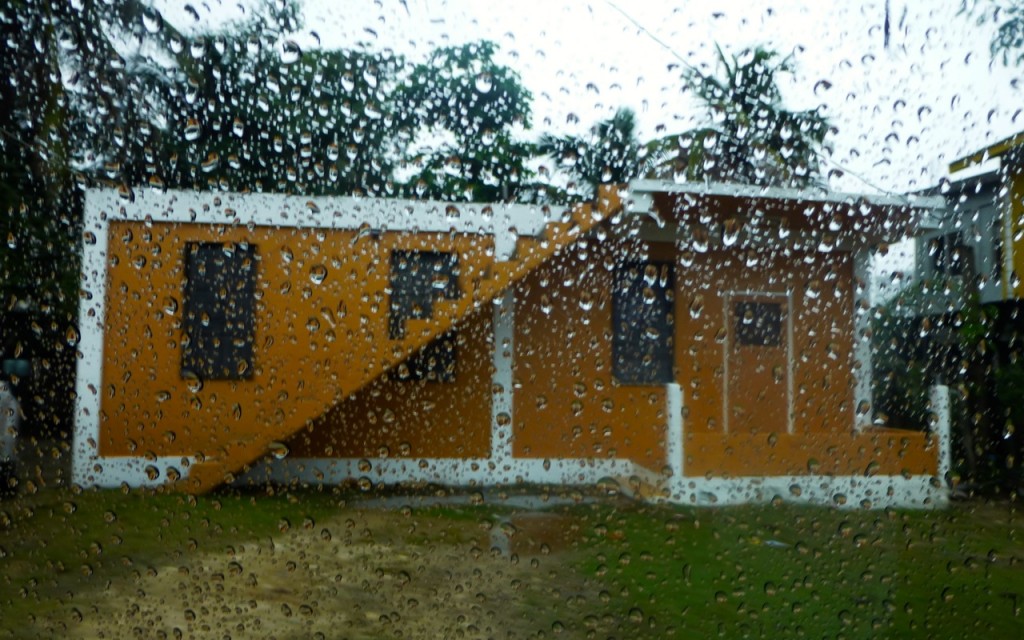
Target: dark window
<point>997,257</point>
<point>642,320</point>
<point>220,297</point>
<point>758,324</point>
<point>418,280</point>
<point>435,362</point>
<point>949,255</point>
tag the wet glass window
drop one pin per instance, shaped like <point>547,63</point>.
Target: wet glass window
<point>758,324</point>
<point>220,297</point>
<point>461,319</point>
<point>642,308</point>
<point>418,280</point>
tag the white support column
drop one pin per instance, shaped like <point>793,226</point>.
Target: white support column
<point>91,320</point>
<point>940,422</point>
<point>501,384</point>
<point>863,373</point>
<point>674,449</point>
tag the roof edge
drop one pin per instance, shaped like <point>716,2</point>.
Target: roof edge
<point>784,193</point>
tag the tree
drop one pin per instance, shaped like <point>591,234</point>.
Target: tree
<point>464,110</point>
<point>316,122</point>
<point>749,136</point>
<point>610,153</point>
<point>54,58</point>
<point>1008,41</point>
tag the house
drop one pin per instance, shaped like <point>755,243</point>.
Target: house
<point>971,247</point>
<point>701,343</point>
<point>968,262</point>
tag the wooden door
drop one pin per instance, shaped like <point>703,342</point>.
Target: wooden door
<point>758,363</point>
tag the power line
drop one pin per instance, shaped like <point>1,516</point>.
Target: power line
<point>686,64</point>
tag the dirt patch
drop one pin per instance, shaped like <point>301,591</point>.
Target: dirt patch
<point>362,574</point>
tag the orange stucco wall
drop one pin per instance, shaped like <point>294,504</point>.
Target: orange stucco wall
<point>315,343</point>
<point>567,405</point>
<point>874,452</point>
<point>820,306</point>
<point>414,418</point>
<point>822,317</point>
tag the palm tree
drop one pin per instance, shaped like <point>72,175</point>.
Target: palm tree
<point>750,137</point>
<point>610,153</point>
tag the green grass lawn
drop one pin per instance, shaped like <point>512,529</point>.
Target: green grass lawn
<point>796,571</point>
<point>612,568</point>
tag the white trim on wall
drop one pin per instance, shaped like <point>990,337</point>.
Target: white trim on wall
<point>501,382</point>
<point>851,492</point>
<point>87,468</point>
<point>863,368</point>
<point>504,221</point>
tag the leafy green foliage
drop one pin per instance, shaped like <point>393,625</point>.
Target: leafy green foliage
<point>750,137</point>
<point>903,368</point>
<point>251,118</point>
<point>1008,41</point>
<point>466,110</point>
<point>610,153</point>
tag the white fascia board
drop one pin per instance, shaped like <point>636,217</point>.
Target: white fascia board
<point>321,212</point>
<point>784,193</point>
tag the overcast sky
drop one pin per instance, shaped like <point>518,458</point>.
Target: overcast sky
<point>902,112</point>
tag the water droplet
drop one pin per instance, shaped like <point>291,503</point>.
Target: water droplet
<point>586,301</point>
<point>192,381</point>
<point>212,162</point>
<point>484,83</point>
<point>813,289</point>
<point>290,52</point>
<point>170,305</point>
<point>278,450</point>
<point>192,130</point>
<point>696,306</point>
<point>152,20</point>
<point>317,274</point>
